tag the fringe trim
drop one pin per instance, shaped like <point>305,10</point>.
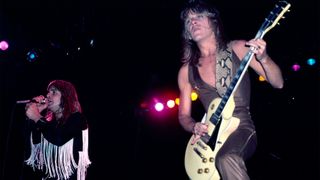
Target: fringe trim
<point>84,160</point>
<point>59,162</point>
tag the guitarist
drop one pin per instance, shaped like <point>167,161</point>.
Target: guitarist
<point>209,63</point>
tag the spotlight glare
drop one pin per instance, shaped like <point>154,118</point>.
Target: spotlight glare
<point>32,55</point>
<point>261,78</point>
<point>170,103</point>
<point>158,106</point>
<point>4,45</point>
<point>194,96</point>
<point>177,101</point>
<point>92,43</point>
<point>296,67</point>
<point>311,61</point>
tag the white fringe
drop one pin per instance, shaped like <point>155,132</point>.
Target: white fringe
<point>59,161</point>
<point>84,160</point>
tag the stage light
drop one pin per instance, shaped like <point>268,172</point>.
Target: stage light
<point>296,67</point>
<point>92,43</point>
<point>32,55</point>
<point>144,105</point>
<point>4,45</point>
<point>194,96</point>
<point>261,78</point>
<point>159,106</point>
<point>170,103</point>
<point>311,61</point>
<point>177,101</point>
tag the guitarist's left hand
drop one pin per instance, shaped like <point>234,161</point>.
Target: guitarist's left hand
<point>199,129</point>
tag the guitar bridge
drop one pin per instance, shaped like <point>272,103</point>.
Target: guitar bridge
<point>199,153</point>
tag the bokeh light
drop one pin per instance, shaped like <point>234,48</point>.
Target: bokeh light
<point>159,106</point>
<point>170,103</point>
<point>311,61</point>
<point>4,45</point>
<point>194,96</point>
<point>296,67</point>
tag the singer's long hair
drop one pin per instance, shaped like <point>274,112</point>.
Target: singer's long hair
<point>190,51</point>
<point>69,98</point>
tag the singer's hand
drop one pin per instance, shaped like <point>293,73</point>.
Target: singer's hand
<point>33,109</point>
<point>43,104</point>
<point>32,112</point>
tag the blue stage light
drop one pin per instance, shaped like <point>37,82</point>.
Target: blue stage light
<point>32,55</point>
<point>311,61</point>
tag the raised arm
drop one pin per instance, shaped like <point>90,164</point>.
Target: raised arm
<point>262,63</point>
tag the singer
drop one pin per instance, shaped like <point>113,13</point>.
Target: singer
<point>59,129</point>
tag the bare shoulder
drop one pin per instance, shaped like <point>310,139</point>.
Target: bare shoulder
<point>184,69</point>
<point>183,75</point>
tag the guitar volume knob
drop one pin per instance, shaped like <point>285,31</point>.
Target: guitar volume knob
<point>206,170</point>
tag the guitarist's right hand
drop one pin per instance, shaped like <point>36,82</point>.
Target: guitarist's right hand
<point>199,129</point>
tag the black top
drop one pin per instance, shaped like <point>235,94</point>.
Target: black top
<point>59,134</point>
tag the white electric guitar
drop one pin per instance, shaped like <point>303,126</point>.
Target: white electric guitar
<point>200,157</point>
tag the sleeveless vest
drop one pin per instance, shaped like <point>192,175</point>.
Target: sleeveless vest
<point>227,64</point>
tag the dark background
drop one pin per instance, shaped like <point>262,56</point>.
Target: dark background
<point>135,57</point>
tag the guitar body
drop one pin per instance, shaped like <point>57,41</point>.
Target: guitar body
<point>199,157</point>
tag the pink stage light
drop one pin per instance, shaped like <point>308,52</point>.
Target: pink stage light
<point>4,45</point>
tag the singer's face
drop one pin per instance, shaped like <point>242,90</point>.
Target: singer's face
<point>54,99</point>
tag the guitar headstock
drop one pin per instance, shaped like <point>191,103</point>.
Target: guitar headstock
<point>274,17</point>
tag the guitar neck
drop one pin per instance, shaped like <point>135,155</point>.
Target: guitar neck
<point>272,19</point>
<point>236,80</point>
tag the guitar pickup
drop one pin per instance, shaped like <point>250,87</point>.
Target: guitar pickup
<point>204,160</point>
<point>204,147</point>
<point>198,152</point>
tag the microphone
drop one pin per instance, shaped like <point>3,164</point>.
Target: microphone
<point>43,101</point>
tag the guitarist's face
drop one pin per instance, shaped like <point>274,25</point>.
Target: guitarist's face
<point>198,26</point>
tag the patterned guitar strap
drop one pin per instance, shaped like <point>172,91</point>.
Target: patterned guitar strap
<point>223,70</point>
